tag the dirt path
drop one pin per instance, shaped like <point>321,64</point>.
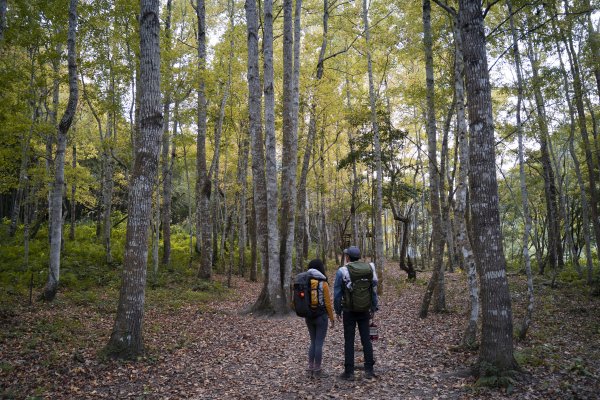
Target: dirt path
<point>217,353</point>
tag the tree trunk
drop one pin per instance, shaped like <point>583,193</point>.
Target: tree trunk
<point>59,177</point>
<point>73,201</point>
<point>276,297</point>
<point>167,162</point>
<point>107,191</point>
<point>434,177</point>
<point>555,250</point>
<point>242,181</point>
<point>269,299</point>
<point>496,350</point>
<point>378,209</point>
<point>301,223</point>
<point>253,245</point>
<point>25,145</point>
<point>463,242</point>
<point>578,90</point>
<point>203,183</point>
<point>587,235</point>
<point>126,339</point>
<point>289,149</point>
<point>524,193</point>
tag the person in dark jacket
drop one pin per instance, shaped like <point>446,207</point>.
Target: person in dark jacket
<point>317,326</point>
<point>352,318</point>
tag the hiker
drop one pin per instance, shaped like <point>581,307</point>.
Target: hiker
<point>355,295</point>
<point>312,300</point>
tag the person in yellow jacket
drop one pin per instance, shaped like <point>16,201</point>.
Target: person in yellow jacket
<point>317,326</point>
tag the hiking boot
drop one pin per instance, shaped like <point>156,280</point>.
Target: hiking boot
<point>347,376</point>
<point>370,375</point>
<point>319,373</point>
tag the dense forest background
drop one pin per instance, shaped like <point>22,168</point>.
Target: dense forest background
<point>187,147</point>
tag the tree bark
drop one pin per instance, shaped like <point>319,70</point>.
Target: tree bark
<point>496,349</point>
<point>126,340</point>
<point>59,177</point>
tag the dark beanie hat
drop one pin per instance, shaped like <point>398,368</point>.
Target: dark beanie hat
<point>317,264</point>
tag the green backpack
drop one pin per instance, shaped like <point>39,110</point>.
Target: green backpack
<point>359,298</point>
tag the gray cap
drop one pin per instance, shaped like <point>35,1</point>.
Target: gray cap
<point>352,251</point>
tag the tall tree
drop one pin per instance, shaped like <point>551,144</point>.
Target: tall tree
<point>126,340</point>
<point>302,222</point>
<point>203,183</point>
<point>276,299</point>
<point>378,227</point>
<point>258,152</point>
<point>524,192</point>
<point>167,164</point>
<point>289,147</point>
<point>56,220</point>
<point>463,242</point>
<point>555,248</point>
<point>434,174</point>
<point>496,349</point>
<point>578,98</point>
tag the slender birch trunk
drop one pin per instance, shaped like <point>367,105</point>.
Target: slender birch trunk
<point>59,177</point>
<point>126,340</point>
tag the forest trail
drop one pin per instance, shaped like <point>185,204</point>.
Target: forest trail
<point>216,352</point>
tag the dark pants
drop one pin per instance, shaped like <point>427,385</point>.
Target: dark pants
<point>351,319</point>
<point>317,328</point>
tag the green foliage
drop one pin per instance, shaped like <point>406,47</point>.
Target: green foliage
<point>490,376</point>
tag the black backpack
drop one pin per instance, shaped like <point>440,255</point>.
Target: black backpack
<point>360,297</point>
<point>305,298</point>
